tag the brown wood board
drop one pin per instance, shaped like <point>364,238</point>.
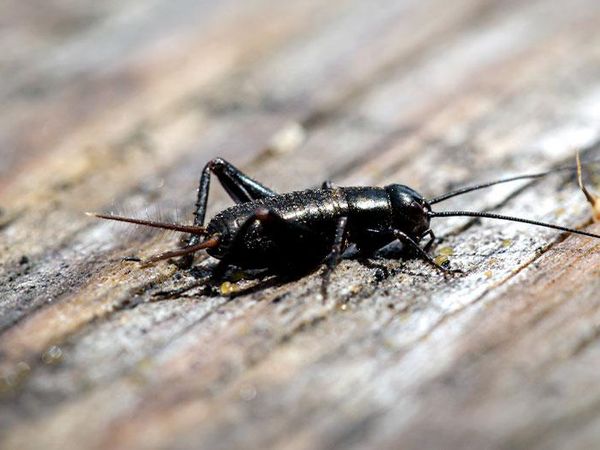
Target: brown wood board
<point>116,106</point>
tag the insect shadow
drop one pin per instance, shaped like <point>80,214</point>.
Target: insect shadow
<point>233,284</point>
<point>292,234</point>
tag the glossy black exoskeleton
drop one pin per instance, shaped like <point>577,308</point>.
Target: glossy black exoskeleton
<point>292,232</point>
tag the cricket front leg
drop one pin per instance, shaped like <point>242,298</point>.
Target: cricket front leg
<point>431,240</point>
<point>407,240</point>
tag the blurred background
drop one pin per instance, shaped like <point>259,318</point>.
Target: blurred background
<point>117,105</point>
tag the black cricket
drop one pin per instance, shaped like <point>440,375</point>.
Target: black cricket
<point>298,231</point>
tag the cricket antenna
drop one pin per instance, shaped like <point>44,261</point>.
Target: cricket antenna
<point>192,229</point>
<point>511,219</point>
<point>531,176</point>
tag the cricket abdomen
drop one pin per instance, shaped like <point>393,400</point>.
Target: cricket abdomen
<point>312,214</point>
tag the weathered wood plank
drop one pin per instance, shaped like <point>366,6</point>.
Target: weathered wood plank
<point>398,357</point>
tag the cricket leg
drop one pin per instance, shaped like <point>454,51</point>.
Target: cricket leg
<point>240,187</point>
<point>407,240</point>
<point>431,240</point>
<point>333,258</point>
<point>278,228</point>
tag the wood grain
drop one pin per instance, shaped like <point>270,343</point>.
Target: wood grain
<point>117,106</point>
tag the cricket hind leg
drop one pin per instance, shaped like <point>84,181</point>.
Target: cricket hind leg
<point>295,237</point>
<point>289,235</point>
<point>239,186</point>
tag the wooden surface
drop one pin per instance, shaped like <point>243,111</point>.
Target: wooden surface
<point>117,106</point>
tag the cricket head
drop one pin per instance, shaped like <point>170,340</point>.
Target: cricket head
<point>410,210</point>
